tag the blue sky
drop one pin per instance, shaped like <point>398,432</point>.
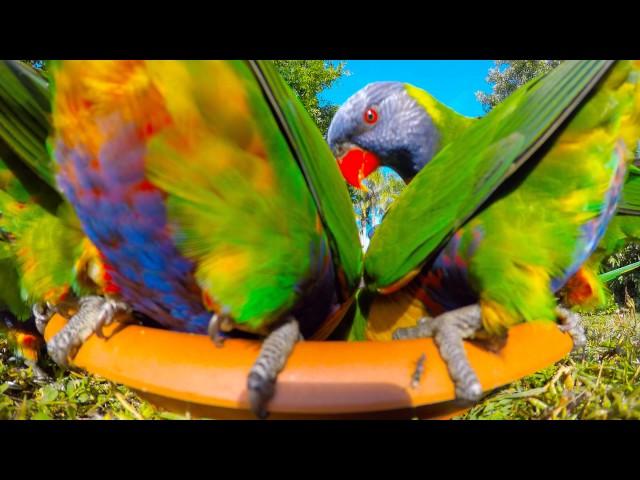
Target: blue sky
<point>453,82</point>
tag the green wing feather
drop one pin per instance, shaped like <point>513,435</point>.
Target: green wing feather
<point>44,248</point>
<point>10,298</point>
<point>491,150</point>
<point>24,123</point>
<point>240,206</point>
<point>625,226</point>
<point>320,169</point>
<point>40,234</point>
<point>630,201</point>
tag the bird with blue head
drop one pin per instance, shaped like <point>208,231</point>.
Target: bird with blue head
<point>391,124</point>
<point>499,212</point>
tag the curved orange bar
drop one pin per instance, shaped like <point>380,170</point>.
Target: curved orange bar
<point>320,378</point>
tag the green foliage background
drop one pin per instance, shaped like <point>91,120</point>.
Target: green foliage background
<point>507,75</point>
<point>309,78</point>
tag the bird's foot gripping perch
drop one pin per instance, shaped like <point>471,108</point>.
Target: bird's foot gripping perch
<point>448,331</point>
<point>93,314</point>
<point>218,326</point>
<point>274,353</point>
<point>42,313</point>
<point>571,323</point>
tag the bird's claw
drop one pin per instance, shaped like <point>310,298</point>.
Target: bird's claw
<point>261,390</point>
<point>93,314</point>
<point>448,331</point>
<point>274,353</point>
<point>42,313</point>
<point>218,324</point>
<point>424,329</point>
<point>571,323</point>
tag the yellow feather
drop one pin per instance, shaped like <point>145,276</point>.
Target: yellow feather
<point>89,266</point>
<point>235,262</point>
<point>389,312</point>
<point>495,318</point>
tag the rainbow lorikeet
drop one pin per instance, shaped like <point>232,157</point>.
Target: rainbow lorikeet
<point>433,125</point>
<point>212,197</point>
<point>45,257</point>
<point>500,214</point>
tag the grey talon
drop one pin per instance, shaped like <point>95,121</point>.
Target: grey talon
<point>42,313</point>
<point>275,351</point>
<point>448,331</point>
<point>423,329</point>
<point>93,314</point>
<point>571,323</point>
<point>219,323</point>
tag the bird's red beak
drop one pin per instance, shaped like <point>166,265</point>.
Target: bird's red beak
<point>356,165</point>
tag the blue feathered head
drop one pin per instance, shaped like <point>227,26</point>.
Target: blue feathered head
<point>382,125</point>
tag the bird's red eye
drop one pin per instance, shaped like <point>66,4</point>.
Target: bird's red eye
<point>371,116</point>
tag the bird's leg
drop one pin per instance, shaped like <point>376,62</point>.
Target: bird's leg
<point>448,331</point>
<point>42,312</point>
<point>571,323</point>
<point>93,314</point>
<point>274,353</point>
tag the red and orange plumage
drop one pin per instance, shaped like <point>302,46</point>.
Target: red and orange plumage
<point>183,180</point>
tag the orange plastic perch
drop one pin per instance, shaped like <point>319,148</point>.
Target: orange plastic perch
<point>187,371</point>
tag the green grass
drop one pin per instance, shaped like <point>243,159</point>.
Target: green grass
<point>64,394</point>
<point>600,382</point>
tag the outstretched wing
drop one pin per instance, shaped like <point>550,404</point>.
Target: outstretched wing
<point>320,170</point>
<point>196,178</point>
<point>24,122</point>
<point>41,237</point>
<point>237,198</point>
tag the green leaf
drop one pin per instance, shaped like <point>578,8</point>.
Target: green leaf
<point>49,394</point>
<point>613,274</point>
<point>41,415</point>
<point>71,388</point>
